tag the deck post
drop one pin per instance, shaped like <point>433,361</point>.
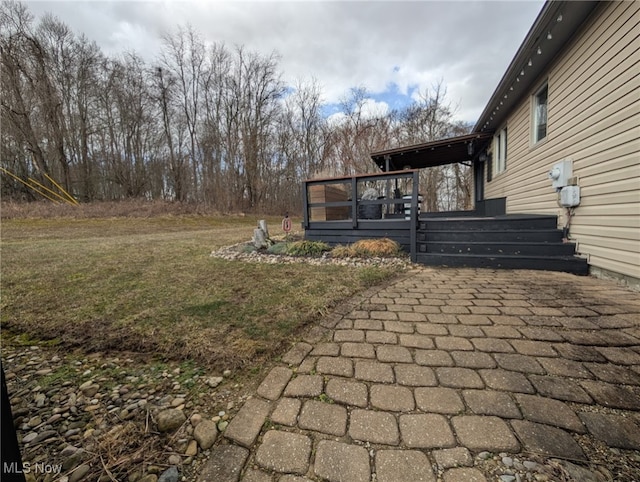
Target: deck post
<point>305,205</point>
<point>413,235</point>
<point>388,194</point>
<point>354,202</point>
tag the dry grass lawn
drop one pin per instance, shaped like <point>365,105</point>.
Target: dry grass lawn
<point>148,284</point>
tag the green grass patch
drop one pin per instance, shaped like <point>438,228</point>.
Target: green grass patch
<point>374,275</point>
<point>149,285</point>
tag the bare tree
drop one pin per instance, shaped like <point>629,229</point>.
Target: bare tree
<point>19,80</point>
<point>184,56</point>
<point>164,83</point>
<point>205,123</point>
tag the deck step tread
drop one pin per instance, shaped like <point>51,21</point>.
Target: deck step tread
<point>516,243</point>
<point>571,264</point>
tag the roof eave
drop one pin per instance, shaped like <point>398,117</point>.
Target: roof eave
<point>556,23</point>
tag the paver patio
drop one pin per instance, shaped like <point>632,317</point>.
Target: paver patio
<point>438,366</point>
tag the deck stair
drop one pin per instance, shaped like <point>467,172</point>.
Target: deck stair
<point>510,242</point>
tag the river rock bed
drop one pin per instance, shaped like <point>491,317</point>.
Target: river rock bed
<point>243,252</point>
<point>106,417</point>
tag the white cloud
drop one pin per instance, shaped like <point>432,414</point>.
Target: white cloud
<point>372,108</point>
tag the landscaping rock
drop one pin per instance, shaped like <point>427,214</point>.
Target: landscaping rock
<point>205,434</point>
<point>170,419</point>
<point>192,448</point>
<point>79,473</point>
<point>169,475</point>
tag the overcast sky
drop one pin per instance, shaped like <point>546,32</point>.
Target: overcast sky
<point>393,49</point>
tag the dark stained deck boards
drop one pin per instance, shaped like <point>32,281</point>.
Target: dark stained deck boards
<point>504,242</point>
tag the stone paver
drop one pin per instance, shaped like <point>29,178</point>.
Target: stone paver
<point>613,396</point>
<point>560,389</point>
<point>438,366</point>
<point>348,335</point>
<point>492,345</point>
<point>246,425</point>
<point>341,462</point>
<point>473,359</point>
<point>296,354</point>
<point>464,474</point>
<point>332,365</point>
<point>549,411</point>
<point>304,386</point>
<point>519,363</point>
<point>438,400</point>
<point>450,343</point>
<point>367,324</point>
<point>358,350</point>
<point>393,353</point>
<point>578,353</point>
<point>403,466</point>
<point>416,341</point>
<point>414,375</point>
<point>348,392</point>
<point>323,417</point>
<point>284,452</point>
<point>426,431</point>
<point>480,433</point>
<point>548,440</point>
<point>374,372</point>
<point>614,430</point>
<point>289,478</point>
<point>506,380</point>
<point>392,398</point>
<point>608,372</point>
<point>564,368</point>
<point>375,427</point>
<point>381,337</point>
<point>459,378</point>
<point>455,457</point>
<point>491,402</point>
<point>274,383</point>
<point>326,349</point>
<point>434,358</point>
<point>226,463</point>
<point>255,475</point>
<point>286,412</point>
<point>533,348</point>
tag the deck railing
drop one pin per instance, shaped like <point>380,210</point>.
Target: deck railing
<point>340,199</point>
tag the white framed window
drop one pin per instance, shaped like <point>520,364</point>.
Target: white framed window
<point>540,103</point>
<point>500,151</point>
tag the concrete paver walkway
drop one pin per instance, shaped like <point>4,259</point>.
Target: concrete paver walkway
<point>411,381</point>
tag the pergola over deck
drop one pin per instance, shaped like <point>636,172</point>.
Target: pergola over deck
<point>460,149</point>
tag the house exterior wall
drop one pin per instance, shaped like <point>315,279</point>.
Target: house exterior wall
<point>593,119</point>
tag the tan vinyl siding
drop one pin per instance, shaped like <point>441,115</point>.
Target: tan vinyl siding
<point>594,119</point>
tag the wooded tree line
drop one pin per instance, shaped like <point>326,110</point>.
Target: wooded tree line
<point>202,123</point>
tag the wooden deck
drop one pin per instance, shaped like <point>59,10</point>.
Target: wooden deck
<point>336,214</point>
<point>334,211</point>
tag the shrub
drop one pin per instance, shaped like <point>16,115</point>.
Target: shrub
<point>307,248</point>
<point>367,248</point>
<point>278,248</point>
<point>342,252</point>
<point>249,248</point>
